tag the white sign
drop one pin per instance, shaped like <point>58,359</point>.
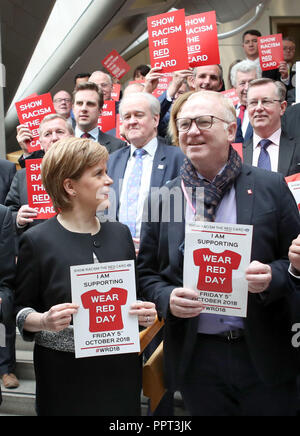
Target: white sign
<point>104,292</point>
<point>295,189</point>
<point>215,260</point>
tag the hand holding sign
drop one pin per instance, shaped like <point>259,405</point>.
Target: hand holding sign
<point>26,215</point>
<point>294,254</point>
<point>259,277</point>
<point>184,303</point>
<point>24,137</point>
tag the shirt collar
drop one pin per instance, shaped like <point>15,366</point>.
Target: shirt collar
<point>94,133</point>
<point>275,138</point>
<point>150,147</point>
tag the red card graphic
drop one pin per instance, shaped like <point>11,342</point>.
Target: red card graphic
<point>31,112</point>
<point>38,198</point>
<point>270,51</point>
<point>115,95</point>
<point>216,269</point>
<point>105,309</point>
<point>116,65</point>
<point>167,41</point>
<point>231,93</point>
<point>202,39</point>
<point>107,120</point>
<point>163,84</point>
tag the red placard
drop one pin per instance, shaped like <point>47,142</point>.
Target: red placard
<point>167,41</point>
<point>38,198</point>
<point>115,95</point>
<point>163,84</point>
<point>231,93</point>
<point>238,146</point>
<point>115,64</point>
<point>31,112</point>
<point>119,124</point>
<point>107,119</point>
<point>202,39</point>
<point>270,51</point>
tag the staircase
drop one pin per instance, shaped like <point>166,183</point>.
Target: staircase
<point>21,401</point>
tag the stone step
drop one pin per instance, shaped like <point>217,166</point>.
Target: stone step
<point>20,401</point>
<point>22,345</point>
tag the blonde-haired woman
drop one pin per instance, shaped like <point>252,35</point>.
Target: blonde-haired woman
<point>74,175</point>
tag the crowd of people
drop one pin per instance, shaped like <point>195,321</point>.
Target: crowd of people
<point>101,188</point>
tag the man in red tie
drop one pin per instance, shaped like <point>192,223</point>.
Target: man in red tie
<point>241,75</point>
<point>87,107</point>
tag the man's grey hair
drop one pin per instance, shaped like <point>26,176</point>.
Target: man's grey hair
<point>280,87</point>
<point>54,117</point>
<point>152,101</point>
<point>245,66</point>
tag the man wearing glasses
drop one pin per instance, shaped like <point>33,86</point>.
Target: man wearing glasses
<point>270,148</point>
<point>225,366</point>
<point>62,102</point>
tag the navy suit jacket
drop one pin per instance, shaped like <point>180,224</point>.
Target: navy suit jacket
<point>167,162</point>
<point>289,154</point>
<point>272,211</point>
<point>7,172</point>
<point>239,134</point>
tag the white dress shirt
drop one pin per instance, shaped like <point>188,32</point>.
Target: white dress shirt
<point>94,133</point>
<point>273,149</point>
<point>245,122</point>
<point>148,158</point>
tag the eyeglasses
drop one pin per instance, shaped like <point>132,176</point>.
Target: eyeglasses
<point>203,123</point>
<point>266,102</point>
<point>61,100</point>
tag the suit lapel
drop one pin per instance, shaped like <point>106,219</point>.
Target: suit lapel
<point>245,193</point>
<point>159,166</point>
<point>119,174</point>
<point>286,152</point>
<point>248,152</point>
<point>104,140</point>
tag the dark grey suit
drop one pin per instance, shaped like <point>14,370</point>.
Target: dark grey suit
<point>289,155</point>
<point>7,172</point>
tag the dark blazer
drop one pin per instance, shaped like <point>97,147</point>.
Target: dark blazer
<point>290,121</point>
<point>110,142</point>
<point>18,197</point>
<point>7,262</point>
<point>167,162</point>
<point>239,134</point>
<point>47,251</point>
<point>7,270</point>
<point>272,211</point>
<point>289,155</point>
<point>7,172</point>
<point>275,75</point>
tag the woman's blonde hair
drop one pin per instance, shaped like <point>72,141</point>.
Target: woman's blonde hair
<point>68,159</point>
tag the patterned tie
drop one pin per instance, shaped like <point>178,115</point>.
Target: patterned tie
<point>264,160</point>
<point>86,135</point>
<point>242,113</point>
<point>128,211</point>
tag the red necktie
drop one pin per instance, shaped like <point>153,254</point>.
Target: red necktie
<point>242,113</point>
<point>85,135</point>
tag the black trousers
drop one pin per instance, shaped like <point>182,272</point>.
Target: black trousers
<point>222,381</point>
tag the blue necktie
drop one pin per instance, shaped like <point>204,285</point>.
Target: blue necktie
<point>128,211</point>
<point>264,160</point>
